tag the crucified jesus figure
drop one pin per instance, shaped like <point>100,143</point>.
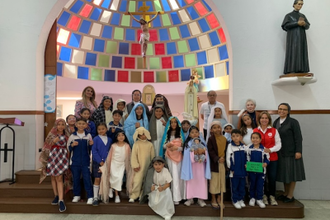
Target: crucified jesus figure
<point>145,36</point>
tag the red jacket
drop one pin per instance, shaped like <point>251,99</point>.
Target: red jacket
<point>268,141</point>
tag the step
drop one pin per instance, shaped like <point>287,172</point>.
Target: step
<point>30,176</point>
<point>42,205</point>
<point>17,190</point>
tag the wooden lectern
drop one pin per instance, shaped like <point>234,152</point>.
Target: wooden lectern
<point>8,122</point>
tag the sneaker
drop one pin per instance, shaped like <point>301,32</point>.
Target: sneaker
<point>131,200</point>
<point>261,204</point>
<point>189,202</point>
<point>76,199</point>
<point>90,201</point>
<point>287,200</point>
<point>237,205</point>
<point>176,203</point>
<point>252,202</point>
<point>62,207</point>
<point>95,202</point>
<point>272,200</point>
<point>265,200</point>
<point>201,203</point>
<point>241,202</point>
<point>111,193</point>
<point>117,199</point>
<point>55,201</point>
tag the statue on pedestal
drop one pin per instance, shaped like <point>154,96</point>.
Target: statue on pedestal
<point>296,56</point>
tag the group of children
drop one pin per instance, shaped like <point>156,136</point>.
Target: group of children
<point>160,159</point>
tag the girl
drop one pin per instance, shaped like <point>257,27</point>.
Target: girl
<point>227,131</point>
<point>216,114</point>
<point>85,113</point>
<point>217,146</point>
<point>142,154</point>
<point>71,123</point>
<point>195,174</point>
<point>137,118</point>
<point>172,142</point>
<point>87,101</point>
<point>247,129</point>
<point>157,127</point>
<point>118,161</point>
<point>55,161</point>
<point>100,152</point>
<point>156,185</point>
<point>104,112</point>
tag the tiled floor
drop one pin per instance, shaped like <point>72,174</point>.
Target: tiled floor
<point>314,210</point>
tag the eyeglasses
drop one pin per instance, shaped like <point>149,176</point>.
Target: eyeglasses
<point>72,119</point>
<point>283,109</point>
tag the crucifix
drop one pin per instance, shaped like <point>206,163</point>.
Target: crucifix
<point>145,24</point>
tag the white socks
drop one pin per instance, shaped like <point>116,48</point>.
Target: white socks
<point>96,189</point>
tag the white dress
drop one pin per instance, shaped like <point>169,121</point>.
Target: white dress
<point>117,167</point>
<point>160,132</point>
<point>178,185</point>
<point>161,202</point>
<point>247,138</point>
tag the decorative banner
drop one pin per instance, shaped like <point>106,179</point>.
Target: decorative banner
<point>254,167</point>
<point>50,93</point>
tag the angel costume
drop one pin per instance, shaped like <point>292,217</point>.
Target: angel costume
<point>160,202</point>
<point>129,126</point>
<point>174,160</point>
<point>142,154</point>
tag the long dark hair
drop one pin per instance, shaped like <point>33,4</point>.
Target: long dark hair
<point>177,131</point>
<point>243,127</point>
<point>189,138</point>
<point>115,140</point>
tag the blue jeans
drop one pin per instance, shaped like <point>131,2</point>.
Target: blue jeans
<point>270,180</point>
<point>83,171</point>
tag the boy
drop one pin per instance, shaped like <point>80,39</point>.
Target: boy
<point>115,126</point>
<point>236,161</point>
<point>145,36</point>
<point>79,145</point>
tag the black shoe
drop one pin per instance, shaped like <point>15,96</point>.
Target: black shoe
<point>95,202</point>
<point>281,197</point>
<point>62,207</point>
<point>287,200</point>
<point>55,201</point>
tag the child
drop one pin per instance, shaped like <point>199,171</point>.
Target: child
<point>104,112</point>
<point>185,127</point>
<point>227,131</point>
<point>121,105</point>
<point>85,114</point>
<point>156,186</point>
<point>144,37</point>
<point>256,154</point>
<point>161,100</point>
<point>115,126</point>
<point>195,174</point>
<point>217,146</point>
<point>79,144</point>
<point>247,126</point>
<point>157,126</point>
<point>236,161</point>
<point>100,152</point>
<point>172,142</point>
<point>137,118</point>
<point>118,161</point>
<point>71,123</point>
<point>142,154</point>
<point>216,114</point>
<point>54,160</point>
<point>196,144</point>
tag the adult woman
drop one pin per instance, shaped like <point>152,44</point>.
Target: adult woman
<point>250,106</point>
<point>87,101</point>
<point>104,112</point>
<point>271,140</point>
<point>290,162</point>
<point>296,56</point>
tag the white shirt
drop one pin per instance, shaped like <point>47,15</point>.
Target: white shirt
<point>206,110</point>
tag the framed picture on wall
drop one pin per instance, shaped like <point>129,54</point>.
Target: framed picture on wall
<point>148,99</point>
